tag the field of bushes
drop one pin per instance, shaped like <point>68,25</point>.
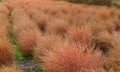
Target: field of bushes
<point>59,36</point>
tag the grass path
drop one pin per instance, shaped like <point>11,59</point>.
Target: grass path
<point>25,63</point>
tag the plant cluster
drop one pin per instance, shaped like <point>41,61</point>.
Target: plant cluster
<point>66,37</point>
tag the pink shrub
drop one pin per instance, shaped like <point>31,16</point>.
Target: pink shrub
<point>6,53</point>
<point>4,23</point>
<point>11,4</point>
<point>46,42</point>
<point>58,26</point>
<point>4,9</point>
<point>67,58</point>
<point>104,41</point>
<point>113,60</point>
<point>26,40</point>
<point>25,30</point>
<point>39,17</point>
<point>83,36</point>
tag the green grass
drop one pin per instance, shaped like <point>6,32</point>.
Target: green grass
<point>117,3</point>
<point>30,69</point>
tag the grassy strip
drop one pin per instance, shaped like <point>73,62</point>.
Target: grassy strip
<point>18,53</point>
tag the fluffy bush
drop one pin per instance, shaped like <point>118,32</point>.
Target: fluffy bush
<point>83,36</point>
<point>22,22</point>
<point>115,15</point>
<point>60,8</point>
<point>4,32</point>
<point>4,25</point>
<point>99,20</point>
<point>97,27</point>
<point>107,15</point>
<point>46,42</point>
<point>4,9</point>
<point>25,31</point>
<point>47,11</point>
<point>68,58</point>
<point>12,4</point>
<point>26,40</point>
<point>53,9</point>
<point>40,18</point>
<point>113,60</point>
<point>58,26</point>
<point>103,41</point>
<point>103,19</point>
<point>22,3</point>
<point>6,53</point>
<point>57,17</point>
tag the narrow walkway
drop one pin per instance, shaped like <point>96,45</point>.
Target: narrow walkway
<point>27,64</point>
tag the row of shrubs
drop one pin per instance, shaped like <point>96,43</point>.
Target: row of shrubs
<point>71,34</point>
<point>6,50</point>
<point>66,37</point>
<point>25,31</point>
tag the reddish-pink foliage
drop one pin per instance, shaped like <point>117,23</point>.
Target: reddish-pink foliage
<point>6,53</point>
<point>79,14</point>
<point>4,23</point>
<point>58,26</point>
<point>25,31</point>
<point>103,41</point>
<point>4,9</point>
<point>39,17</point>
<point>27,40</point>
<point>113,60</point>
<point>3,32</point>
<point>58,17</point>
<point>16,3</point>
<point>67,58</point>
<point>80,36</point>
<point>46,43</point>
